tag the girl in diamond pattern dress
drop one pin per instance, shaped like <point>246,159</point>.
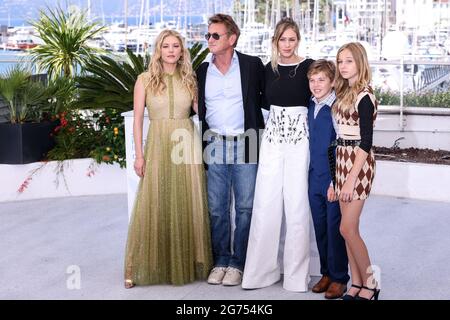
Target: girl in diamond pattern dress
<point>355,113</point>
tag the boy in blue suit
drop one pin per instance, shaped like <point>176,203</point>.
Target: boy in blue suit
<point>324,207</point>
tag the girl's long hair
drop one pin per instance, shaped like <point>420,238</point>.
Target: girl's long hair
<point>346,95</point>
<point>281,27</point>
<point>184,66</point>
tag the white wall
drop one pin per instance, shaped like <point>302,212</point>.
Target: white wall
<point>106,179</point>
<point>412,180</point>
<point>420,131</point>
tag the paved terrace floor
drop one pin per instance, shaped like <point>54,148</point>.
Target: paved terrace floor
<point>41,239</point>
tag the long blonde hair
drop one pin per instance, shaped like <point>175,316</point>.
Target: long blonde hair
<point>184,66</point>
<point>281,27</point>
<point>346,95</point>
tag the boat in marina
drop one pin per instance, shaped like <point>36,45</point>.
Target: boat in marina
<point>21,39</point>
<point>256,37</point>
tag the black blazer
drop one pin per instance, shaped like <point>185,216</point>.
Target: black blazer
<point>252,84</point>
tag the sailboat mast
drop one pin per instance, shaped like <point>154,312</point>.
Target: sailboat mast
<point>266,15</point>
<point>278,11</point>
<point>295,10</point>
<point>126,23</point>
<point>141,13</point>
<point>147,13</point>
<point>89,10</point>
<point>272,15</point>
<point>179,15</point>
<point>126,13</point>
<point>315,21</point>
<point>189,10</point>
<point>308,17</point>
<point>245,13</point>
<point>185,16</point>
<point>103,13</point>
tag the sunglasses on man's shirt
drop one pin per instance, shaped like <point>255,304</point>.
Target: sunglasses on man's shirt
<point>214,35</point>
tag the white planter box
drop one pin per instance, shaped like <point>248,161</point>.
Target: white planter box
<point>423,127</point>
<point>412,180</point>
<point>106,179</point>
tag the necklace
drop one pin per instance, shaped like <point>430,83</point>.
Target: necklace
<point>293,72</point>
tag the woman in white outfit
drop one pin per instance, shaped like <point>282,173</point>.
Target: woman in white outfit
<point>282,179</point>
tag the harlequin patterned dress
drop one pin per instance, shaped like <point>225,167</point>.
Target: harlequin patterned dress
<point>169,233</point>
<point>348,127</point>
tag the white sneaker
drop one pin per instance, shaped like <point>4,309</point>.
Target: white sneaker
<point>233,277</point>
<point>216,275</point>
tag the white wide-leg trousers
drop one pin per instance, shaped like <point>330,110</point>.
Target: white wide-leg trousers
<point>281,187</point>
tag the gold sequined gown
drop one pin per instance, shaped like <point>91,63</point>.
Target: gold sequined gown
<point>169,235</point>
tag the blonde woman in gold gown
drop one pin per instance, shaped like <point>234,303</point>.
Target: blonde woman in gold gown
<point>169,235</point>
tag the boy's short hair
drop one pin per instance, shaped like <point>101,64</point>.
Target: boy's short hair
<point>326,66</point>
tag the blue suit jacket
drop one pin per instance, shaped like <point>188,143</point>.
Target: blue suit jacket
<point>321,134</point>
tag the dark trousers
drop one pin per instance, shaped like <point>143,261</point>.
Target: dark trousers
<point>327,218</point>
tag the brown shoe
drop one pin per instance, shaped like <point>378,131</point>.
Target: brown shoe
<point>335,290</point>
<point>322,285</point>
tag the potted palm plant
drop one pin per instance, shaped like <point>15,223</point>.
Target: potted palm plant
<point>25,137</point>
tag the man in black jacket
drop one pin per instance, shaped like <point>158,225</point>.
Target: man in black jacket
<point>230,97</point>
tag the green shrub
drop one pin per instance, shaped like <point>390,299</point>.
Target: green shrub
<point>111,145</point>
<point>412,99</point>
<point>74,137</point>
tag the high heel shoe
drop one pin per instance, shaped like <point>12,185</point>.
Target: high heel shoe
<point>350,297</point>
<point>128,278</point>
<point>129,284</point>
<point>376,292</point>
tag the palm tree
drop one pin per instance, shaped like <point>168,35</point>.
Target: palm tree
<point>110,83</point>
<point>197,54</point>
<point>23,96</point>
<point>65,36</point>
